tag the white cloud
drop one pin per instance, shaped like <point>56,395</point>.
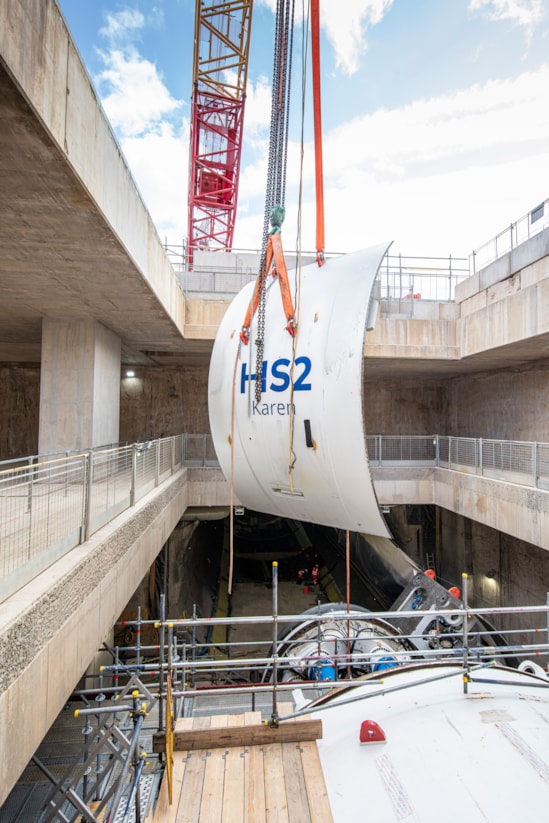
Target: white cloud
<point>526,13</point>
<point>132,91</point>
<point>346,31</point>
<point>121,25</point>
<point>438,176</point>
<point>428,172</point>
<point>257,112</point>
<point>133,94</point>
<point>148,121</point>
<point>450,129</point>
<point>159,163</point>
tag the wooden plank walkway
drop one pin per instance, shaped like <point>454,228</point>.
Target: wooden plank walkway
<point>269,783</point>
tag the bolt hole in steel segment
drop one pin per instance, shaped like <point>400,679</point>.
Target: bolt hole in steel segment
<point>316,471</point>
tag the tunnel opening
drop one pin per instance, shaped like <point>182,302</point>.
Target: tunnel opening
<point>192,570</point>
<point>312,558</point>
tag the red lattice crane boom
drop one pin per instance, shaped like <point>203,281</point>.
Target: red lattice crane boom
<point>220,71</point>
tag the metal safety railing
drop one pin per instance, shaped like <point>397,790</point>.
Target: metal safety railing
<point>512,236</point>
<point>524,463</point>
<point>385,450</point>
<point>400,277</point>
<point>49,504</point>
<point>411,279</point>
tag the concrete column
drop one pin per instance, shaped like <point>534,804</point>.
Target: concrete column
<point>79,385</point>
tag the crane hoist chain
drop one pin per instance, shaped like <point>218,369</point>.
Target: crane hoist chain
<point>271,247</point>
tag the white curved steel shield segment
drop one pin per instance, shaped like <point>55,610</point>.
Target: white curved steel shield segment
<point>310,415</point>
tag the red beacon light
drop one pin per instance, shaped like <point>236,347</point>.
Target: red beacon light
<point>371,732</point>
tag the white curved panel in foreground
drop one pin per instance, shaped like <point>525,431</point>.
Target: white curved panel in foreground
<point>315,377</point>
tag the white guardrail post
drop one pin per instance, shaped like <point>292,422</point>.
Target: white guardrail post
<point>29,486</point>
<point>133,486</point>
<point>547,602</point>
<point>86,509</point>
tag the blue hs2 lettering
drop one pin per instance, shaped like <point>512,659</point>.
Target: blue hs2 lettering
<point>279,375</point>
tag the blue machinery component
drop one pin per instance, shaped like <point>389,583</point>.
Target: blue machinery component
<point>353,643</point>
<point>323,670</point>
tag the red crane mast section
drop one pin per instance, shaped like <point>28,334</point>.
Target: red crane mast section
<point>220,72</point>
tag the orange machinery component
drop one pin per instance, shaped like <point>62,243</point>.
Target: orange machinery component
<point>275,256</point>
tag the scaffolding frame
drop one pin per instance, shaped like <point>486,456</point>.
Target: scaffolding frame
<point>185,670</point>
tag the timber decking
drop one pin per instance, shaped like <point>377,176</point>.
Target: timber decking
<point>278,782</point>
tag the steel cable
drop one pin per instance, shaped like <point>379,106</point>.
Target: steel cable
<point>277,159</point>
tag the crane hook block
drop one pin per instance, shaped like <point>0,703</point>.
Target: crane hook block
<point>278,213</point>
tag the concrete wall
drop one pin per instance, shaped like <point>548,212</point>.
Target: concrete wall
<point>520,511</point>
<point>185,571</point>
<point>508,404</point>
<point>518,571</point>
<point>19,403</point>
<point>405,406</point>
<point>79,387</point>
<point>203,316</point>
<point>526,254</point>
<point>159,402</point>
<point>510,310</point>
<point>429,335</point>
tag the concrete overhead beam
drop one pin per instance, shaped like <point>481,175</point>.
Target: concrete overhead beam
<point>521,511</point>
<point>81,223</point>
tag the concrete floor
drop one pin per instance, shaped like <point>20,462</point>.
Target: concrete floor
<point>252,599</point>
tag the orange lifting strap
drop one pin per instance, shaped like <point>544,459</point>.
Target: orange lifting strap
<point>274,251</point>
<point>317,117</point>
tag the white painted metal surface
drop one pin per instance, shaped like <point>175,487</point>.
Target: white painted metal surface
<point>448,756</point>
<point>314,377</point>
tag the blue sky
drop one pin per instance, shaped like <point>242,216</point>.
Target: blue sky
<point>435,116</point>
